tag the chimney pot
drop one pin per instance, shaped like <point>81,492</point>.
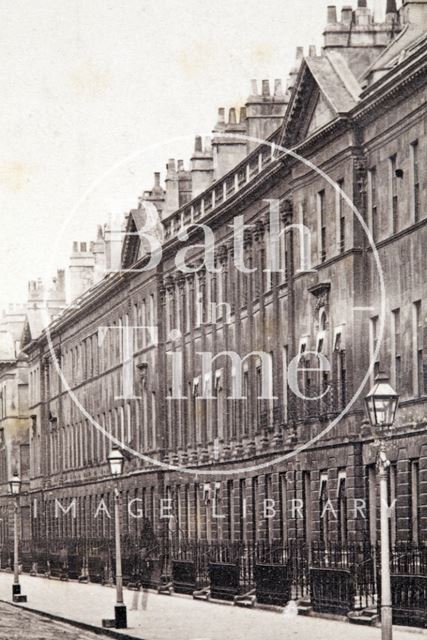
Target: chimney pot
<point>299,54</point>
<point>180,165</point>
<point>312,51</point>
<point>198,144</point>
<point>265,88</point>
<point>232,116</point>
<point>221,115</point>
<point>242,115</point>
<point>332,14</point>
<point>347,14</point>
<point>278,90</point>
<point>170,167</point>
<point>362,3</point>
<point>391,7</point>
<point>254,88</point>
<point>157,179</point>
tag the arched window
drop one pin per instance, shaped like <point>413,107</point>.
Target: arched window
<point>323,320</point>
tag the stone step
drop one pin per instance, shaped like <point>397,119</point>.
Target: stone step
<point>247,601</point>
<point>304,610</point>
<point>367,617</point>
<point>202,594</point>
<point>165,589</point>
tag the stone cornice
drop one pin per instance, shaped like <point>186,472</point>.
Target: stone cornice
<point>319,138</point>
<point>397,83</point>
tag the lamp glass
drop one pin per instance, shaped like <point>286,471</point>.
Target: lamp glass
<point>381,403</point>
<point>116,461</point>
<point>15,485</point>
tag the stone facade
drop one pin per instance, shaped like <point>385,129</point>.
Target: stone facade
<point>357,116</point>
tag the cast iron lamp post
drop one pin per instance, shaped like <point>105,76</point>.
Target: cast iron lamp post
<point>15,489</point>
<point>116,461</point>
<point>381,405</point>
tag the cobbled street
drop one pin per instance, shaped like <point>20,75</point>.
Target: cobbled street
<point>16,624</point>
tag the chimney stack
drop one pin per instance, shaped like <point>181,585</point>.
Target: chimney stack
<point>229,150</point>
<point>113,236</point>
<point>264,113</point>
<point>51,297</point>
<point>332,14</point>
<point>201,167</point>
<point>184,184</point>
<point>312,51</point>
<point>98,250</point>
<point>155,196</point>
<point>172,191</point>
<point>357,37</point>
<point>81,269</point>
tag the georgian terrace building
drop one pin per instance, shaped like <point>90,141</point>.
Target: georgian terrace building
<point>357,112</point>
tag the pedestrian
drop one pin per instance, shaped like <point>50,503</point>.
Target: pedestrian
<point>146,566</point>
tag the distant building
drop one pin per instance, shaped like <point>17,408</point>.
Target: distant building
<point>20,323</point>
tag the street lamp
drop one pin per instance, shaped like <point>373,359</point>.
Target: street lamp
<point>381,405</point>
<point>116,461</point>
<point>15,489</point>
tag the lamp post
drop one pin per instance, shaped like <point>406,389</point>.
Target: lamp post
<point>116,462</point>
<point>381,405</point>
<point>15,489</point>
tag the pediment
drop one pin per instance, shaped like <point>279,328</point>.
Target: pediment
<point>321,115</point>
<point>142,224</point>
<point>324,90</point>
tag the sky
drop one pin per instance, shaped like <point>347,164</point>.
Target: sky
<point>96,96</point>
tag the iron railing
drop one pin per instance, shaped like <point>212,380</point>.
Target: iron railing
<point>337,577</point>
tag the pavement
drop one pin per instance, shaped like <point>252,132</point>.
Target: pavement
<point>177,617</point>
